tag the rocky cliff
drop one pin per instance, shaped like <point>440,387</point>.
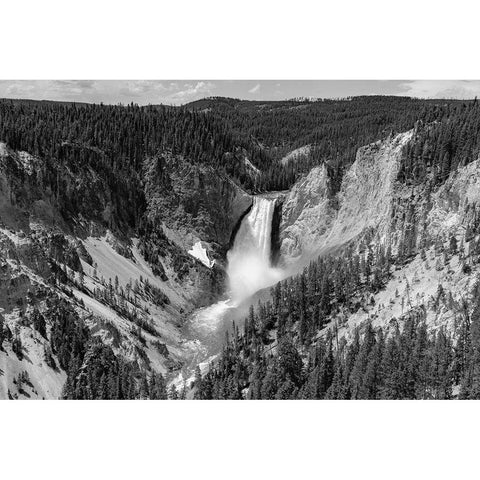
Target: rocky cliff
<point>314,221</point>
<point>193,202</point>
<point>432,232</point>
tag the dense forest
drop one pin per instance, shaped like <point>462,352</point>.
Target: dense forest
<point>447,137</point>
<point>279,354</point>
<point>334,128</point>
<point>115,140</point>
<point>409,363</point>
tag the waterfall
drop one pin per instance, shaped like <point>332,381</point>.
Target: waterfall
<point>249,267</point>
<point>249,270</point>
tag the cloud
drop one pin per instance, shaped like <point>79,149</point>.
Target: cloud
<point>255,89</point>
<point>69,87</point>
<point>108,91</point>
<point>192,92</point>
<point>461,89</point>
<point>47,89</point>
<point>140,88</point>
<point>76,84</point>
<point>18,89</point>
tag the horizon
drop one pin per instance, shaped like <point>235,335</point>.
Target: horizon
<point>216,97</point>
<point>182,92</point>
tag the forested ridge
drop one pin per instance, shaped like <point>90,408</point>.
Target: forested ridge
<point>115,140</point>
<point>334,128</point>
<point>446,137</point>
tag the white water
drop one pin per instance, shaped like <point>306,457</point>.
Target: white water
<point>249,270</point>
<point>249,266</point>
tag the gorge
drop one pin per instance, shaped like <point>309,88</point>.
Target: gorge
<point>249,269</point>
<point>127,256</point>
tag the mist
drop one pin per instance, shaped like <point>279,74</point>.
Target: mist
<point>249,261</point>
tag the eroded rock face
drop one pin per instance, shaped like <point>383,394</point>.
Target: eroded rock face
<point>193,202</point>
<point>368,188</point>
<point>313,222</point>
<point>455,202</point>
<point>307,215</point>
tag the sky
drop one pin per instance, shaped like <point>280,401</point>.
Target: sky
<point>178,92</point>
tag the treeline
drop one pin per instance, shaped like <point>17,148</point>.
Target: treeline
<point>86,148</point>
<point>115,140</point>
<point>406,363</point>
<point>447,137</point>
<point>334,128</point>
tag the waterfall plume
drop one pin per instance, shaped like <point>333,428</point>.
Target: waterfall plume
<point>249,261</point>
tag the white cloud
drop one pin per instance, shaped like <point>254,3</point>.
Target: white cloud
<point>255,89</point>
<point>108,91</point>
<point>461,89</point>
<point>18,89</point>
<point>47,89</point>
<point>192,92</point>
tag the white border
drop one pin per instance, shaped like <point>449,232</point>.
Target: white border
<point>369,39</point>
<point>214,39</point>
<point>238,440</point>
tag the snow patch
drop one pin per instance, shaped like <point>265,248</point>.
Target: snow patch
<point>200,253</point>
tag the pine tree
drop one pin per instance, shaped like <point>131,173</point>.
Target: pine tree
<point>453,245</point>
<point>17,346</point>
<point>2,333</point>
<point>39,323</point>
<point>470,387</point>
<point>173,394</point>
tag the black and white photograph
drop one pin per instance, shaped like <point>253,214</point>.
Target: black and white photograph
<point>216,246</point>
<point>250,255</point>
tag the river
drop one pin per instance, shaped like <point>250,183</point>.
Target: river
<point>249,270</point>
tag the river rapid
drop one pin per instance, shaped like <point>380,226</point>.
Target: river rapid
<point>249,270</point>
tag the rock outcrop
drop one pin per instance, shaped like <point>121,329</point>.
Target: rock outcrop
<point>455,202</point>
<point>314,221</point>
<point>307,215</point>
<point>434,233</point>
<point>193,203</point>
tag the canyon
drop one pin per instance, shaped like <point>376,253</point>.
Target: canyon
<point>164,280</point>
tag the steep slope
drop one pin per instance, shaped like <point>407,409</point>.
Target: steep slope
<point>307,216</point>
<point>193,202</point>
<point>296,154</point>
<point>130,288</point>
<point>441,275</point>
<point>315,221</point>
<point>416,223</point>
